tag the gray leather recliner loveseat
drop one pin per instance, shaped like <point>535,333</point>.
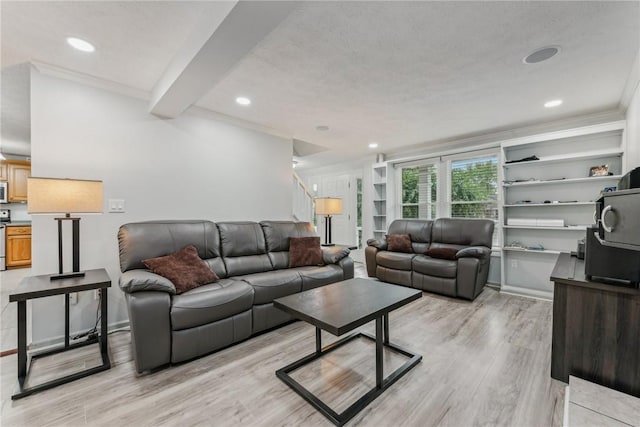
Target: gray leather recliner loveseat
<point>252,261</point>
<point>463,275</point>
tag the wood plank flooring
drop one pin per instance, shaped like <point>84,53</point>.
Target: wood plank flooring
<point>485,362</point>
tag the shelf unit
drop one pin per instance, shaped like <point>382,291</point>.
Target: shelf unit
<point>565,181</point>
<point>545,205</point>
<point>381,205</point>
<point>561,174</point>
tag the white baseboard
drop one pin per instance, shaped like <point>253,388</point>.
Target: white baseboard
<point>58,340</point>
<point>525,292</point>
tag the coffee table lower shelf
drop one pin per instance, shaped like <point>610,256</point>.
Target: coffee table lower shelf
<point>382,383</point>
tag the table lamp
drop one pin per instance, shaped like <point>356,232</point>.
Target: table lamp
<point>65,196</point>
<point>328,206</point>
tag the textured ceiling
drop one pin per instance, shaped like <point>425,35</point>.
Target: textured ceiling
<point>398,73</point>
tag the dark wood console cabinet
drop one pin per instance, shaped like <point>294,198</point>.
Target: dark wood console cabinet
<point>596,329</point>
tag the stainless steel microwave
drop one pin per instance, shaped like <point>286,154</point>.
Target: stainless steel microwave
<point>3,192</point>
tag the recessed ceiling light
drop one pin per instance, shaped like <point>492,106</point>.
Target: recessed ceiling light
<point>80,44</point>
<point>243,101</point>
<point>553,103</point>
<point>322,128</point>
<point>373,145</point>
<point>541,54</point>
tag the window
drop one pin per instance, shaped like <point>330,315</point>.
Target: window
<point>474,188</point>
<point>419,191</point>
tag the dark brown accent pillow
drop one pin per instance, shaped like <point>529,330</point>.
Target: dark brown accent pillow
<point>442,253</point>
<point>304,251</point>
<point>399,243</point>
<point>184,268</point>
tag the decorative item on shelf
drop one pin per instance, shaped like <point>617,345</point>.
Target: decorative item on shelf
<point>524,159</point>
<point>602,170</point>
<point>328,206</point>
<point>608,189</point>
<point>65,196</point>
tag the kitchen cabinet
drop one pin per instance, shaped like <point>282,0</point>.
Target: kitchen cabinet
<point>3,171</point>
<point>18,246</point>
<point>18,172</point>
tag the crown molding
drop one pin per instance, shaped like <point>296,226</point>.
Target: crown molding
<point>632,84</point>
<point>89,80</point>
<point>213,115</point>
<point>111,86</point>
<point>493,138</point>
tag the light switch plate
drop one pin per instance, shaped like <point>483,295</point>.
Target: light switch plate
<point>116,205</point>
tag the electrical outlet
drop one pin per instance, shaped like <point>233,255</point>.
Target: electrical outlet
<point>116,205</point>
<point>514,263</point>
<point>73,298</point>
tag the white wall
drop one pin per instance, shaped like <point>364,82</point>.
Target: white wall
<point>191,167</point>
<point>633,131</point>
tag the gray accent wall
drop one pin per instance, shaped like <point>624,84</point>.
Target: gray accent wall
<point>191,167</point>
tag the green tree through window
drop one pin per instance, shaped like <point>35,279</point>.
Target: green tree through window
<point>419,192</point>
<point>474,188</point>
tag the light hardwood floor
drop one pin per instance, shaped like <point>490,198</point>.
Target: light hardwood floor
<point>485,362</point>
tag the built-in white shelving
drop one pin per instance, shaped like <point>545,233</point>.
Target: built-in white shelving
<point>591,179</point>
<point>381,179</point>
<point>524,205</point>
<point>533,227</point>
<point>569,157</point>
<point>566,159</point>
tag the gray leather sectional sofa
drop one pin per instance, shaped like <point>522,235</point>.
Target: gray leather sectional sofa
<point>464,276</point>
<point>252,261</point>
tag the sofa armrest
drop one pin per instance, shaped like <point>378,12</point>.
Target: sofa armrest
<point>346,264</point>
<point>149,318</point>
<point>333,254</point>
<point>481,252</point>
<point>143,280</point>
<point>370,253</point>
<point>378,244</point>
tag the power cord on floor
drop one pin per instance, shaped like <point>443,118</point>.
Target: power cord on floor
<point>93,332</point>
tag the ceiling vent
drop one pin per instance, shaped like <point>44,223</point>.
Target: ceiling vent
<point>541,54</point>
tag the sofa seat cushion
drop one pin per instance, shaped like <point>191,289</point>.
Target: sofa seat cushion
<point>316,276</point>
<point>435,267</point>
<point>210,303</point>
<point>395,260</point>
<point>270,285</point>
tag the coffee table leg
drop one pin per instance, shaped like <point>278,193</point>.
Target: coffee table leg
<point>386,328</point>
<point>318,341</point>
<point>379,362</point>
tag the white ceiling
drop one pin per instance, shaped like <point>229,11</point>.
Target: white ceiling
<point>398,73</point>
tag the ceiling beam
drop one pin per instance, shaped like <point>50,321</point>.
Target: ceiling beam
<point>227,34</point>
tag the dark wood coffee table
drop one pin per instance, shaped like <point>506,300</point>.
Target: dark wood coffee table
<point>340,308</point>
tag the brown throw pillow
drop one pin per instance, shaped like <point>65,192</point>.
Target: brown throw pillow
<point>399,243</point>
<point>184,268</point>
<point>304,251</point>
<point>442,253</point>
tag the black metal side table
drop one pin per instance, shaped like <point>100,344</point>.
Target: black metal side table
<point>42,286</point>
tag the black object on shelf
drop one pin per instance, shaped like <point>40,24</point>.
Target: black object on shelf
<point>524,159</point>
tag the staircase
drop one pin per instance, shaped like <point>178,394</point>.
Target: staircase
<point>302,200</point>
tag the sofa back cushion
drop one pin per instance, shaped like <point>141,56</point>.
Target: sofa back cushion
<point>152,239</point>
<point>458,232</point>
<point>243,247</point>
<point>278,235</point>
<point>419,230</point>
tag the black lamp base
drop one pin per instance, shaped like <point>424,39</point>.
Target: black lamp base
<point>67,275</point>
<point>328,244</point>
<point>75,248</point>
